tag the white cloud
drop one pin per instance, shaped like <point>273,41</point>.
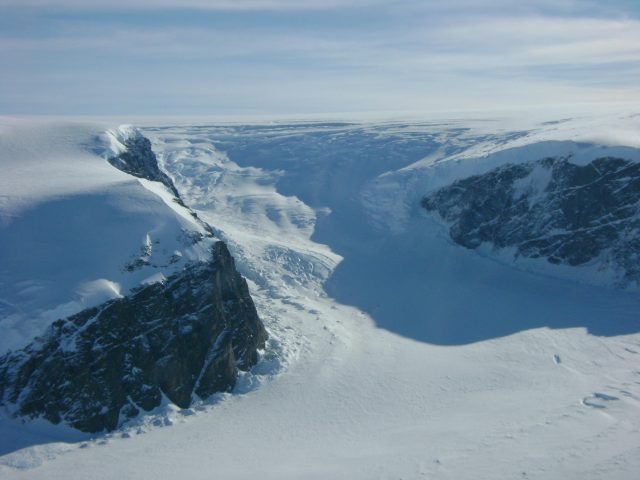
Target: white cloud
<point>408,59</point>
<point>475,44</point>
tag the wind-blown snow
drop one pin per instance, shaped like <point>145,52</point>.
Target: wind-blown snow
<point>400,354</point>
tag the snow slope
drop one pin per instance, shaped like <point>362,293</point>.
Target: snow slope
<point>398,353</point>
<point>72,226</point>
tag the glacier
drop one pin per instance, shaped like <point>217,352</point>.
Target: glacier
<point>393,352</point>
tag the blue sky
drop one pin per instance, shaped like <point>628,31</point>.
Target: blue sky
<point>276,57</point>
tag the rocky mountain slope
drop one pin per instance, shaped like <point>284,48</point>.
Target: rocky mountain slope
<point>132,154</point>
<point>180,338</point>
<point>182,333</point>
<point>553,209</point>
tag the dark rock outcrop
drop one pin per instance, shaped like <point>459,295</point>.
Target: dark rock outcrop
<point>183,337</point>
<point>552,208</point>
<point>139,160</point>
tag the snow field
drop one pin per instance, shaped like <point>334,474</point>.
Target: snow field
<point>393,353</point>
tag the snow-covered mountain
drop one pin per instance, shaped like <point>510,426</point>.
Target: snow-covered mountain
<point>170,318</point>
<point>76,231</point>
<point>569,214</point>
<point>394,351</point>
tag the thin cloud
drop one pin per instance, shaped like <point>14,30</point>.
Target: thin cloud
<point>222,5</point>
<point>393,59</point>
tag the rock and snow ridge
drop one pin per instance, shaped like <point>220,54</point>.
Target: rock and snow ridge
<point>575,215</point>
<point>181,338</point>
<point>133,155</point>
<point>183,333</point>
<point>75,231</point>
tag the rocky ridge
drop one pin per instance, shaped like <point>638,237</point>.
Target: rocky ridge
<point>137,158</point>
<point>554,209</point>
<point>183,338</point>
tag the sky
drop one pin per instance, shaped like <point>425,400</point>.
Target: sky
<point>281,57</point>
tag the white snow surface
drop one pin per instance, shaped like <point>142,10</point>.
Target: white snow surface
<point>393,352</point>
<point>70,223</point>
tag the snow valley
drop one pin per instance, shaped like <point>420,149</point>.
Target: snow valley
<point>452,299</point>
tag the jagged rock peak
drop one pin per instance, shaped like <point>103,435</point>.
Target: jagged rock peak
<point>182,338</point>
<point>576,215</point>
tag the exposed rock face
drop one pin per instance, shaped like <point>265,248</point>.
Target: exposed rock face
<point>184,337</point>
<point>139,160</point>
<point>567,213</point>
